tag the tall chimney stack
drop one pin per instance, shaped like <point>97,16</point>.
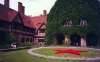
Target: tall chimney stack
<point>19,7</point>
<point>23,9</point>
<point>44,12</point>
<point>6,3</point>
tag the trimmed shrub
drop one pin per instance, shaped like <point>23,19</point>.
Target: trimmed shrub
<point>26,45</point>
<point>5,46</point>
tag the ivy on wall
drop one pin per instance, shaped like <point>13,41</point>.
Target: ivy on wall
<point>73,10</point>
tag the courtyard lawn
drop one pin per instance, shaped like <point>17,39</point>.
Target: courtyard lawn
<point>23,56</point>
<point>51,52</point>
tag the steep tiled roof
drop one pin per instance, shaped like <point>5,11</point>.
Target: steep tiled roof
<point>12,15</point>
<point>8,14</point>
<point>38,20</point>
<point>27,21</point>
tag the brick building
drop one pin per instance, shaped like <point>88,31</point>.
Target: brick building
<point>40,26</point>
<point>23,27</point>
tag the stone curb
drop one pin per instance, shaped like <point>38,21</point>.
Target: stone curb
<point>63,58</point>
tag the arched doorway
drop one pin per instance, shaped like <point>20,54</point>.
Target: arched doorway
<point>75,40</point>
<point>59,39</point>
<point>92,39</point>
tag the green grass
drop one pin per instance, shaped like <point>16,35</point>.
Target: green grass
<point>23,56</point>
<point>50,52</point>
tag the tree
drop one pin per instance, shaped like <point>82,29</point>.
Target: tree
<point>6,39</point>
<point>74,10</point>
<point>11,38</point>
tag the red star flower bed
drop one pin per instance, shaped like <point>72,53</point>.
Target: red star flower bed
<point>71,51</point>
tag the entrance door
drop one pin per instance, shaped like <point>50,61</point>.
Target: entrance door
<point>75,40</point>
<point>92,39</point>
<point>60,39</point>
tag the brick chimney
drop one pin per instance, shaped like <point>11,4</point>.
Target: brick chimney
<point>6,3</point>
<point>21,8</point>
<point>44,12</point>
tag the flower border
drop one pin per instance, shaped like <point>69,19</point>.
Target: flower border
<point>63,58</point>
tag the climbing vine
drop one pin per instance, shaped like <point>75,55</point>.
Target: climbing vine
<point>74,10</point>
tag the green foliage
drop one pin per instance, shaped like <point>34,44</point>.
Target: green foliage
<point>6,38</point>
<point>3,38</point>
<point>12,38</point>
<point>5,46</point>
<point>74,10</point>
<point>26,44</point>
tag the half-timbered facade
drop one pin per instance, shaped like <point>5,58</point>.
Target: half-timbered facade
<point>17,23</point>
<point>40,25</point>
<point>40,34</point>
<point>24,28</point>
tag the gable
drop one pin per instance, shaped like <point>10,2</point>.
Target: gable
<point>38,21</point>
<point>18,19</point>
<point>43,26</point>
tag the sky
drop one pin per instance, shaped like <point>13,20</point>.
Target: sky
<point>32,7</point>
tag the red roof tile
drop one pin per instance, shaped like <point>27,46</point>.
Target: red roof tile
<point>27,21</point>
<point>38,20</point>
<point>12,15</point>
<point>8,14</point>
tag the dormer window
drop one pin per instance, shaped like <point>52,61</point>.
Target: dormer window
<point>83,22</point>
<point>67,23</point>
<point>38,23</point>
<point>28,22</point>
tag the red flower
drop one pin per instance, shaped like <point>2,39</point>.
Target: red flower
<point>71,51</point>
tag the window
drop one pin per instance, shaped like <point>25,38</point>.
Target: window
<point>7,25</point>
<point>30,39</point>
<point>38,23</point>
<point>23,40</point>
<point>40,40</point>
<point>17,26</point>
<point>83,22</point>
<point>2,24</point>
<point>42,30</point>
<point>27,39</point>
<point>67,23</point>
